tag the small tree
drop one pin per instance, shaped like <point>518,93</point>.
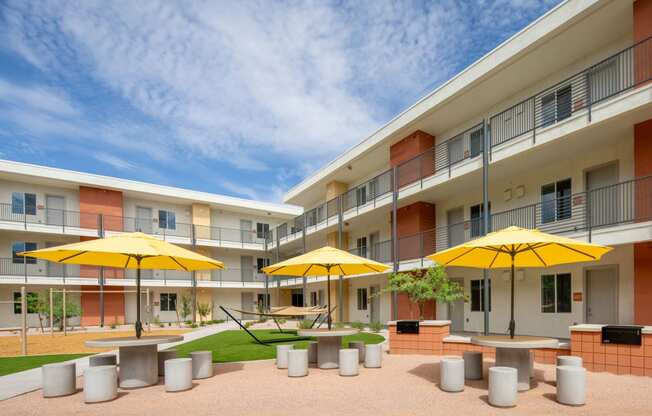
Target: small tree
<point>203,309</point>
<point>422,286</point>
<point>186,306</point>
<point>43,308</point>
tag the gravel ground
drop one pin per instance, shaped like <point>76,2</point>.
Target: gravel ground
<point>406,385</point>
<point>39,344</point>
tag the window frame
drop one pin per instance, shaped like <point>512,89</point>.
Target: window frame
<point>362,298</point>
<point>262,229</point>
<point>480,292</point>
<point>165,220</point>
<point>556,292</point>
<point>19,203</point>
<point>168,297</point>
<point>24,246</point>
<point>561,205</point>
<point>31,302</point>
<point>265,262</point>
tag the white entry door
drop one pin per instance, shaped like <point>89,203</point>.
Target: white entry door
<point>456,311</point>
<point>602,295</point>
<point>604,196</point>
<point>54,206</point>
<point>144,220</point>
<point>374,315</point>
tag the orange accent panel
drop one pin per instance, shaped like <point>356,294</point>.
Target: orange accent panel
<point>643,283</point>
<point>410,146</point>
<point>101,201</point>
<point>114,306</point>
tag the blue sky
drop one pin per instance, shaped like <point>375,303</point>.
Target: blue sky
<point>243,98</point>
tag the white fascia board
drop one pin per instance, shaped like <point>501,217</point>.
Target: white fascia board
<point>89,179</point>
<point>492,61</point>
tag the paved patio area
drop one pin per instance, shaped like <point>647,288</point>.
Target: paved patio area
<point>406,385</point>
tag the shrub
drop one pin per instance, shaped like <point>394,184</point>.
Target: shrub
<point>339,325</point>
<point>193,325</point>
<point>304,324</point>
<point>376,326</point>
<point>188,322</point>
<point>281,321</point>
<point>248,324</point>
<point>218,321</point>
<point>357,325</point>
<point>169,323</point>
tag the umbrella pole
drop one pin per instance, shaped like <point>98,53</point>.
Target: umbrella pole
<point>512,323</point>
<point>328,289</point>
<point>139,326</point>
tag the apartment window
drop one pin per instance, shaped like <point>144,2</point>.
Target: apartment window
<point>477,295</point>
<point>477,223</point>
<point>556,293</point>
<point>264,301</point>
<point>475,142</point>
<point>313,299</point>
<point>556,106</point>
<point>262,230</point>
<point>19,247</point>
<point>361,195</point>
<point>32,303</point>
<point>23,203</point>
<point>167,219</point>
<point>261,263</point>
<point>556,201</point>
<point>362,298</point>
<point>168,302</point>
<point>361,244</point>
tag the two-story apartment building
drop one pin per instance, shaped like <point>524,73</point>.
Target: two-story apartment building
<point>563,112</point>
<point>42,207</point>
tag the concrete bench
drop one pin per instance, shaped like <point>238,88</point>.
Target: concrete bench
<point>349,362</point>
<point>282,355</point>
<point>297,363</point>
<point>59,379</point>
<point>472,365</point>
<point>503,386</point>
<point>202,364</point>
<point>100,383</point>
<point>451,374</point>
<point>373,355</point>
<point>163,356</point>
<point>178,374</point>
<point>571,385</point>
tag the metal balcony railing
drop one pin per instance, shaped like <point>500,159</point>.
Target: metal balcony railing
<point>48,216</point>
<point>250,275</point>
<point>368,192</point>
<point>609,77</point>
<point>380,252</point>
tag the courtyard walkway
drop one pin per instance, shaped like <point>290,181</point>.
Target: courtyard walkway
<point>406,385</point>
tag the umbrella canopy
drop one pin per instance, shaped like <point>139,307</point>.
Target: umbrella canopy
<point>518,247</point>
<point>129,251</point>
<point>324,262</point>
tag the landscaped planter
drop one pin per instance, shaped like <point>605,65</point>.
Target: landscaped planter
<point>429,340</point>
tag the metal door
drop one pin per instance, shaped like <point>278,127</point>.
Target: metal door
<point>247,268</point>
<point>455,218</point>
<point>143,220</point>
<point>54,206</point>
<point>602,295</point>
<point>247,304</point>
<point>604,196</point>
<point>456,311</point>
<point>247,231</point>
<point>374,313</point>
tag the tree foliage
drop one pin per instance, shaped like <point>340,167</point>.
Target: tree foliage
<point>422,286</point>
<point>186,306</point>
<point>43,308</point>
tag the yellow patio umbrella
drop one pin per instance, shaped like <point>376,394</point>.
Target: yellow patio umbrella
<point>128,251</point>
<point>518,247</point>
<point>324,261</point>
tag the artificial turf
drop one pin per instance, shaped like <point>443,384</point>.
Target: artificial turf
<point>9,365</point>
<point>237,345</point>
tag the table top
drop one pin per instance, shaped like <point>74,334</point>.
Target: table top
<point>519,341</point>
<point>133,341</point>
<point>326,333</point>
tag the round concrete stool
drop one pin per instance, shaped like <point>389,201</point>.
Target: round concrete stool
<point>282,355</point>
<point>163,356</point>
<point>178,374</point>
<point>571,385</point>
<point>503,386</point>
<point>102,359</point>
<point>472,365</point>
<point>349,362</point>
<point>202,364</point>
<point>569,360</point>
<point>359,345</point>
<point>312,352</point>
<point>373,355</point>
<point>58,379</point>
<point>451,374</point>
<point>100,383</point>
<point>297,363</point>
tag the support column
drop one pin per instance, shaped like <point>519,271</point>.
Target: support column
<point>340,286</point>
<point>485,217</point>
<point>394,238</point>
<point>303,251</point>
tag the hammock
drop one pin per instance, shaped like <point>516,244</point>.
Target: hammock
<point>286,311</point>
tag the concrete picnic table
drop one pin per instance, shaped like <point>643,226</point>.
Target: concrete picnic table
<point>138,357</point>
<point>515,352</point>
<point>328,344</point>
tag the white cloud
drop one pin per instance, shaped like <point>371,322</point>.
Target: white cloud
<point>257,84</point>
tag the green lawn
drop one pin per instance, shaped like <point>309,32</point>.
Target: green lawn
<point>237,345</point>
<point>9,365</point>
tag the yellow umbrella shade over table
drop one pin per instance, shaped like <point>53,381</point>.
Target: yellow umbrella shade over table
<point>324,261</point>
<point>128,251</point>
<point>518,247</point>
